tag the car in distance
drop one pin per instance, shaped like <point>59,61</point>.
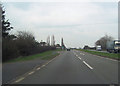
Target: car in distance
<point>68,49</point>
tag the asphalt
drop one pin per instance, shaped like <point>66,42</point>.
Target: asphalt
<point>11,71</point>
<point>74,67</point>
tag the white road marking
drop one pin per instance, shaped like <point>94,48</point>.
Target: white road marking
<point>38,68</point>
<point>110,59</point>
<point>82,53</point>
<point>79,57</point>
<point>106,58</point>
<point>42,65</point>
<point>87,65</point>
<point>31,72</point>
<point>27,74</point>
<point>20,79</point>
<point>47,63</point>
<point>76,55</point>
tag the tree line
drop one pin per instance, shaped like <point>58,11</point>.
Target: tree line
<point>22,44</point>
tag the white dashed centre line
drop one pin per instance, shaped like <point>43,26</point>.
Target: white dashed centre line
<point>79,57</point>
<point>87,65</point>
<point>76,55</point>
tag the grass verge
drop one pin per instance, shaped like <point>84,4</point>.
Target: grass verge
<point>109,55</point>
<point>43,56</point>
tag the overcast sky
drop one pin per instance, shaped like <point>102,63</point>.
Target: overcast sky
<point>79,23</point>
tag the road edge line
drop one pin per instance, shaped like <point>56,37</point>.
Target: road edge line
<point>13,81</point>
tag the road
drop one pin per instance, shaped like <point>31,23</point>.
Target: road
<point>12,70</point>
<point>73,67</point>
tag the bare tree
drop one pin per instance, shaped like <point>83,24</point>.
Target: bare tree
<point>103,40</point>
<point>25,35</point>
<point>25,42</point>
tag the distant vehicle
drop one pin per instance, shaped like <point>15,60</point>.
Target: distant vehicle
<point>98,48</point>
<point>68,49</point>
<point>113,46</point>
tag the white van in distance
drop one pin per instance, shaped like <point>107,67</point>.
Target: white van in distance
<point>98,48</point>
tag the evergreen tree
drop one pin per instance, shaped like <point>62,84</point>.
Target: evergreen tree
<point>6,27</point>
